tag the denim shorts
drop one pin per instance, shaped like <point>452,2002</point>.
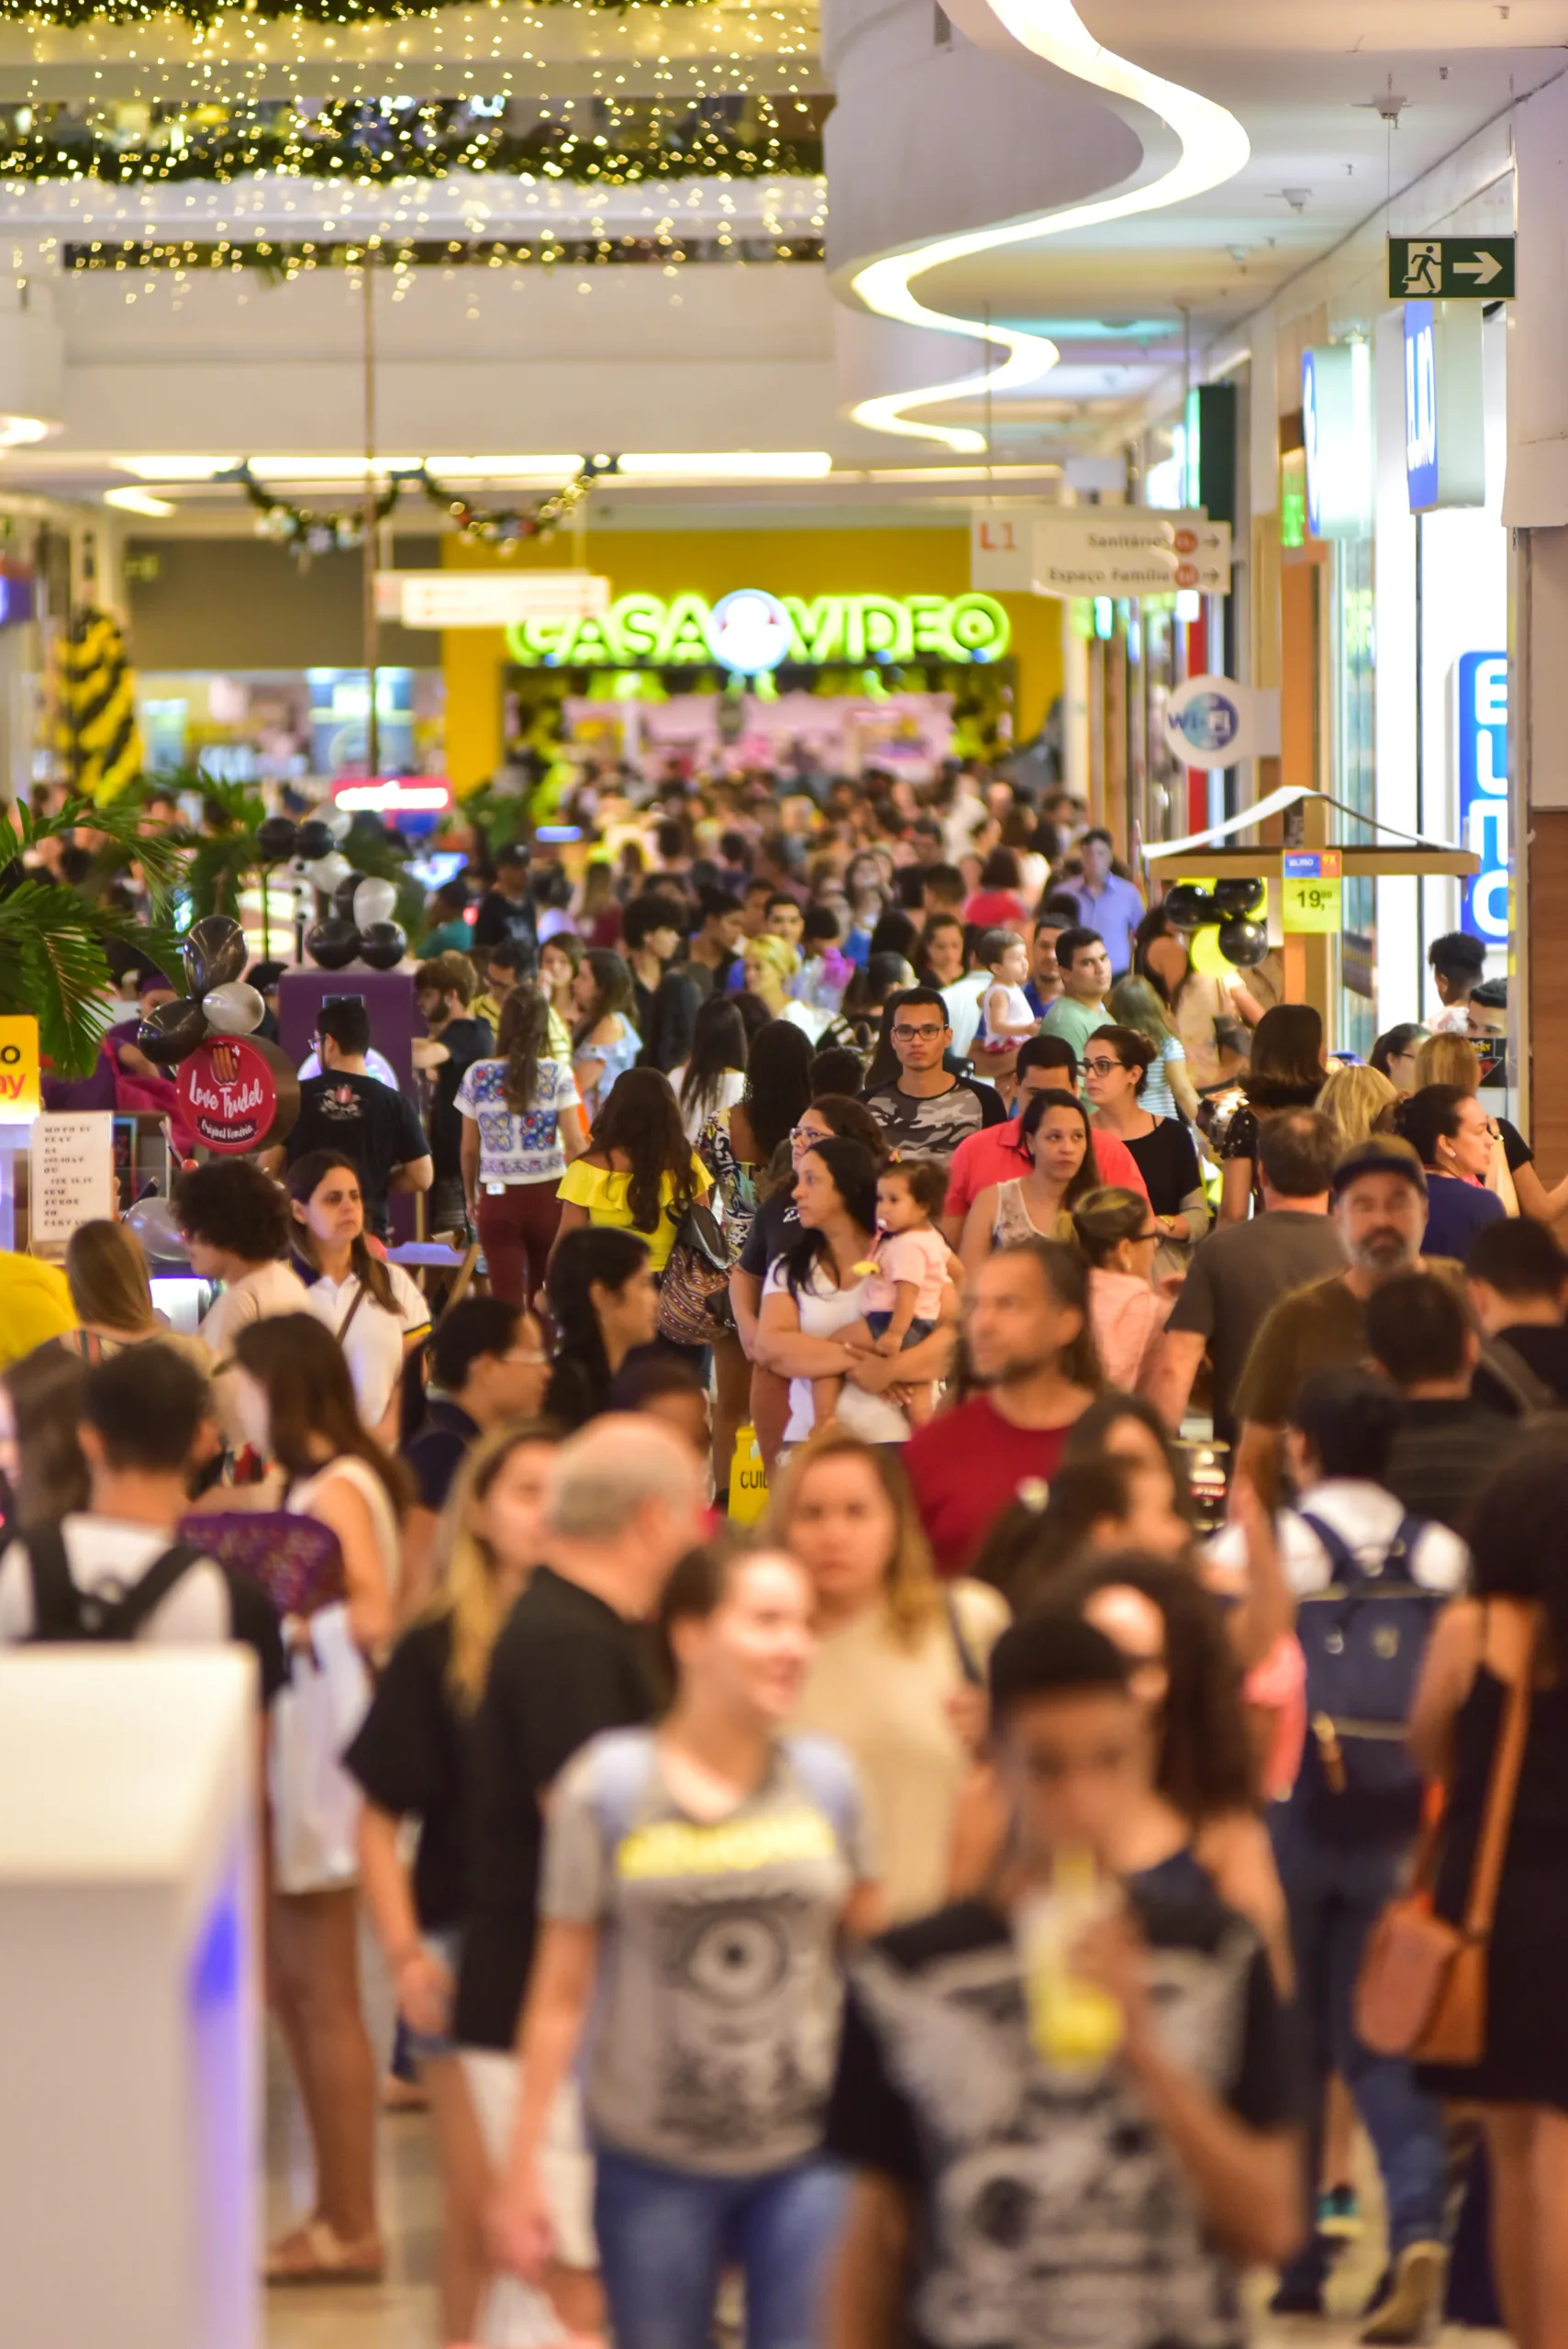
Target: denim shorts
<point>877,1324</point>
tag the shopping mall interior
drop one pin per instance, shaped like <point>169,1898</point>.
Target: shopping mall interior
<point>775,478</point>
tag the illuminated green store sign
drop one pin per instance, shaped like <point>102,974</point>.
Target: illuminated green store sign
<point>750,632</point>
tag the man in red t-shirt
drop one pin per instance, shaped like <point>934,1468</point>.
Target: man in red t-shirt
<point>1027,1326</point>
<point>995,1155</point>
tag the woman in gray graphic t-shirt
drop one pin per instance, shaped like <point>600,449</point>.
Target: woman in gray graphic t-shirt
<point>697,1878</point>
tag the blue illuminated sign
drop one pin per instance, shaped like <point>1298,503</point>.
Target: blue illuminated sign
<point>1421,406</point>
<point>1481,683</point>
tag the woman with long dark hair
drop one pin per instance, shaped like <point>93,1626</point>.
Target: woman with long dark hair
<point>373,1308</point>
<point>296,1402</point>
<point>604,1042</point>
<point>639,1173</point>
<point>939,958</point>
<point>1287,1072</point>
<point>1118,1066</point>
<point>521,1130</point>
<point>739,1145</point>
<point>1209,1014</point>
<point>1057,1168</point>
<point>713,1076</point>
<point>603,1302</point>
<point>818,1286</point>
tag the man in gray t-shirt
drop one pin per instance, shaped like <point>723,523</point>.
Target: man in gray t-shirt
<point>1241,1269</point>
<point>719,1988</point>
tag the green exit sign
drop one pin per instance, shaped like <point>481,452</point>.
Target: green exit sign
<point>1451,268</point>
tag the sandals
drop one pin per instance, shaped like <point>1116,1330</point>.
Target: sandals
<point>315,2253</point>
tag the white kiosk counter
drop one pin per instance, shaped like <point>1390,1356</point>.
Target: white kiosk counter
<point>129,1999</point>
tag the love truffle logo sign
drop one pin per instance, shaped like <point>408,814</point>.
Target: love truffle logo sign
<point>238,1093</point>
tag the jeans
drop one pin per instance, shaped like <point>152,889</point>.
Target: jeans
<point>665,2235</point>
<point>516,1228</point>
<point>1335,1892</point>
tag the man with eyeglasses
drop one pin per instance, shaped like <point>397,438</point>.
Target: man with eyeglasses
<point>927,1109</point>
<point>1046,1063</point>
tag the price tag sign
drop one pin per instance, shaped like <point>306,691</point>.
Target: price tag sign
<point>19,1068</point>
<point>1312,896</point>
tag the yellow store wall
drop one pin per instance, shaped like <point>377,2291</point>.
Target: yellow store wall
<point>709,563</point>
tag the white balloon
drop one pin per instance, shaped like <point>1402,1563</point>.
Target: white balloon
<point>234,1009</point>
<point>340,822</point>
<point>374,901</point>
<point>327,870</point>
<point>152,1220</point>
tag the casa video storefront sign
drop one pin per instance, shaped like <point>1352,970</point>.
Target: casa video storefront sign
<point>750,631</point>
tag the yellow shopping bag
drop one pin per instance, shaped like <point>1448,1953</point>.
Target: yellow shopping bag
<point>747,1479</point>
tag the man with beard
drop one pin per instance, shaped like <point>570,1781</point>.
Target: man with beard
<point>1378,1203</point>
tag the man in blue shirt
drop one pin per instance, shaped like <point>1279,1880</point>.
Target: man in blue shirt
<point>1105,901</point>
<point>1453,1135</point>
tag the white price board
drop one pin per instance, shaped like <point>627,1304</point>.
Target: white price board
<point>72,1174</point>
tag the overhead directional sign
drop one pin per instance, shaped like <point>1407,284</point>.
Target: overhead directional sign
<point>1451,268</point>
<point>1100,551</point>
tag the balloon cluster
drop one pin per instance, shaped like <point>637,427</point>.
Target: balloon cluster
<point>214,955</point>
<point>361,921</point>
<point>1234,905</point>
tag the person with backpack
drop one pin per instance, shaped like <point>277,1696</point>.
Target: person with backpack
<point>697,1877</point>
<point>1368,1580</point>
<point>114,1571</point>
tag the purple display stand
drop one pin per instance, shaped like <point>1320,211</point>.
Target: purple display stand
<point>394,1018</point>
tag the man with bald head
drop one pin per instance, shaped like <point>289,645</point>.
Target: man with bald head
<point>626,1500</point>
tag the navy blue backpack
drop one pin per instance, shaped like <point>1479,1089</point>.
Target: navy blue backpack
<point>1364,1638</point>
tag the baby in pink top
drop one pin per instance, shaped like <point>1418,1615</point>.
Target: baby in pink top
<point>903,1298</point>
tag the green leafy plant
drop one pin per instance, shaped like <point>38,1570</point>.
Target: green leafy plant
<point>54,938</point>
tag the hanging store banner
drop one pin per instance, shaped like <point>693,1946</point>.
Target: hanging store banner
<point>1445,452</point>
<point>1077,551</point>
<point>1336,419</point>
<point>1213,722</point>
<point>1481,743</point>
<point>486,598</point>
<point>237,1093</point>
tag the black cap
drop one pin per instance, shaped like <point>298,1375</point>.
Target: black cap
<point>1380,1155</point>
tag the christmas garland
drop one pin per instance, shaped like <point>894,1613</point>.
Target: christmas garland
<point>305,533</point>
<point>70,14</point>
<point>347,141</point>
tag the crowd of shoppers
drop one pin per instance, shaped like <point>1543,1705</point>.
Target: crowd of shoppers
<point>931,1902</point>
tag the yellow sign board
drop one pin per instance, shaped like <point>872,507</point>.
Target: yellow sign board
<point>1312,896</point>
<point>19,1097</point>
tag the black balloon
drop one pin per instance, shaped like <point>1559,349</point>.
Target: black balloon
<point>332,942</point>
<point>1187,906</point>
<point>343,895</point>
<point>173,1030</point>
<point>312,840</point>
<point>382,945</point>
<point>1245,944</point>
<point>214,953</point>
<point>275,838</point>
<point>1237,900</point>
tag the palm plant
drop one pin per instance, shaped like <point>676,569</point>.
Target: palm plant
<point>53,963</point>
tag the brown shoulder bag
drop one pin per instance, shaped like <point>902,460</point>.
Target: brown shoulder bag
<point>1422,1989</point>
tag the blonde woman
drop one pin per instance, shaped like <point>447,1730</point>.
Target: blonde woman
<point>769,965</point>
<point>1356,1099</point>
<point>1451,1060</point>
<point>409,1758</point>
<point>898,1673</point>
<point>111,1288</point>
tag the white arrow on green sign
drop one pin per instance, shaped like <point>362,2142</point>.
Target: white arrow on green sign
<point>1450,269</point>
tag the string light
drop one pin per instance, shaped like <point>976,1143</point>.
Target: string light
<point>618,142</point>
<point>279,258</point>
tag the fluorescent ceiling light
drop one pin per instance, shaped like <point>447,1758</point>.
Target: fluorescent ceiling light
<point>330,468</point>
<point>20,431</point>
<point>175,468</point>
<point>1214,149</point>
<point>140,501</point>
<point>503,468</point>
<point>730,464</point>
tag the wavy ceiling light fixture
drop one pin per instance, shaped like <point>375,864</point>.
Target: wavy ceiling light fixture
<point>1214,149</point>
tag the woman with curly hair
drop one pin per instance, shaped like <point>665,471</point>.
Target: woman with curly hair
<point>1287,1072</point>
<point>639,1173</point>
